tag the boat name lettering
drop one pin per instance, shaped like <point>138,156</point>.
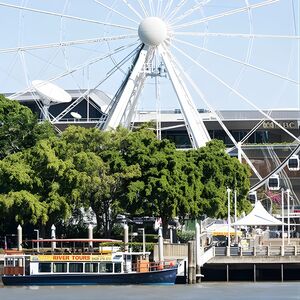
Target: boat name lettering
<point>71,258</point>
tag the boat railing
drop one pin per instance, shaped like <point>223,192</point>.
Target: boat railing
<point>146,266</point>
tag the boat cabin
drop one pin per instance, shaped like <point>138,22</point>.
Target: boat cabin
<point>46,264</point>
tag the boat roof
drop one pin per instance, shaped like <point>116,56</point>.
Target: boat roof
<point>77,240</point>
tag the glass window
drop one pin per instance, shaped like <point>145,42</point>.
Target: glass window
<point>44,267</point>
<point>117,267</point>
<point>105,267</point>
<point>60,267</point>
<point>75,267</point>
<point>91,268</point>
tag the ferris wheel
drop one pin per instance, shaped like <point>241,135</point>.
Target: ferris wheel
<point>211,54</point>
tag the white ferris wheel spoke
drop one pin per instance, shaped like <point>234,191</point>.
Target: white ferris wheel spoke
<point>176,9</point>
<point>167,8</point>
<point>68,43</point>
<point>217,78</point>
<point>78,68</point>
<point>143,8</point>
<point>151,7</point>
<point>237,61</point>
<point>237,35</point>
<point>115,11</point>
<point>51,13</point>
<point>132,9</point>
<point>189,12</point>
<point>206,102</point>
<point>227,13</point>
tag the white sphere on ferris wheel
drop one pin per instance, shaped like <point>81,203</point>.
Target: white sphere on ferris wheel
<point>153,31</point>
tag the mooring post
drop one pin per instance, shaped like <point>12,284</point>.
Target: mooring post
<point>90,228</point>
<point>19,238</point>
<point>53,237</point>
<point>191,264</point>
<point>126,237</point>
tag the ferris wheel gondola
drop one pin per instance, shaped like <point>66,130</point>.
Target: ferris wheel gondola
<point>274,183</point>
<point>294,163</point>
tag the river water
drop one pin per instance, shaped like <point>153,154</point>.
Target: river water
<point>207,291</point>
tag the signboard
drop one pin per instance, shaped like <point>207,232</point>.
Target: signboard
<point>72,257</point>
<point>284,124</point>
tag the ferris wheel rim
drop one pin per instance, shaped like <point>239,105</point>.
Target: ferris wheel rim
<point>174,19</point>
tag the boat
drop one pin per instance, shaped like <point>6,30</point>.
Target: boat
<point>89,267</point>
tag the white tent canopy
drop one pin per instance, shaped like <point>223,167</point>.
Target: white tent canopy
<point>258,216</point>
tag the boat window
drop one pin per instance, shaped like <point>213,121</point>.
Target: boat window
<point>9,261</point>
<point>91,268</point>
<point>117,267</point>
<point>75,267</point>
<point>106,267</point>
<point>44,267</point>
<point>60,267</point>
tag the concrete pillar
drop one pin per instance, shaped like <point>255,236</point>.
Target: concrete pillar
<point>281,267</point>
<point>191,263</point>
<point>126,237</point>
<point>53,237</point>
<point>90,229</point>
<point>20,238</point>
<point>254,272</point>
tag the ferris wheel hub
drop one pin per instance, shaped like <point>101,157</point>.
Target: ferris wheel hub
<point>153,31</point>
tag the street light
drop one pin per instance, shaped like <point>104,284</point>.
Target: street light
<point>37,238</point>
<point>144,240</point>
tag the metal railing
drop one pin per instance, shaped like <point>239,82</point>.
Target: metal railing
<point>289,250</point>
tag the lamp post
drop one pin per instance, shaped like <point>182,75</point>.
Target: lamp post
<point>144,240</point>
<point>228,221</point>
<point>37,238</point>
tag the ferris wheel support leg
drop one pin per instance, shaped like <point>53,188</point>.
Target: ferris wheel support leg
<point>122,108</point>
<point>195,126</point>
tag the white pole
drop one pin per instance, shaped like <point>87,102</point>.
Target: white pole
<point>198,254</point>
<point>90,228</point>
<point>126,237</point>
<point>144,242</point>
<point>235,204</point>
<point>288,214</point>
<point>282,220</point>
<point>239,148</point>
<point>228,221</point>
<point>53,237</point>
<point>19,238</point>
<point>171,234</point>
<point>37,238</point>
<point>160,245</point>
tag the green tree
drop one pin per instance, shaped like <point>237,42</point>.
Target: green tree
<point>19,127</point>
<point>220,171</point>
<point>168,185</point>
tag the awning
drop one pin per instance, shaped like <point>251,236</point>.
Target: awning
<point>221,229</point>
<point>258,217</point>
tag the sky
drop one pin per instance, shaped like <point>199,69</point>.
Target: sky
<point>252,63</point>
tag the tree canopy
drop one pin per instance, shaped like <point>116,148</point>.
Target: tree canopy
<point>46,179</point>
